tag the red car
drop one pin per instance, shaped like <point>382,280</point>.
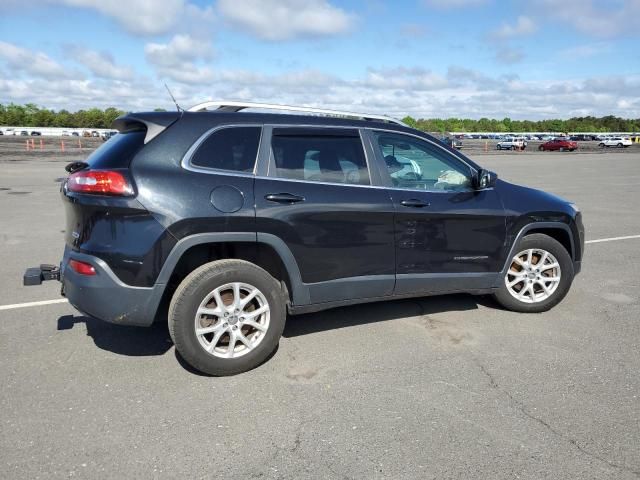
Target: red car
<point>559,144</point>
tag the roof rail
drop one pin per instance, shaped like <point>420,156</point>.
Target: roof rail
<point>233,106</point>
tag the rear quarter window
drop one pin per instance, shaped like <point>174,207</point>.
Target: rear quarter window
<point>117,152</point>
<point>232,148</point>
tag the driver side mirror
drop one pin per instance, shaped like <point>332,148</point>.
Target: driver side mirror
<point>485,179</point>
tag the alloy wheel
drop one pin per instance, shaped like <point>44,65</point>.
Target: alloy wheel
<point>232,320</point>
<point>533,276</point>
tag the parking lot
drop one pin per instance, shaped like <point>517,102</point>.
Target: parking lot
<point>440,387</point>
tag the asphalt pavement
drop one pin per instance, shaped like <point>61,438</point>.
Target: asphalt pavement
<point>440,387</point>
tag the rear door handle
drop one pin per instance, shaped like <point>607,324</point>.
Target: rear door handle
<point>414,203</point>
<point>288,198</point>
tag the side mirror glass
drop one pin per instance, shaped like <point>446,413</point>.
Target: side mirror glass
<point>485,179</point>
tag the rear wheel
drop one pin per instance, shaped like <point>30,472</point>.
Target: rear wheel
<point>539,275</point>
<point>541,148</point>
<point>620,145</point>
<point>226,317</point>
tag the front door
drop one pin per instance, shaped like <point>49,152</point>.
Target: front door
<point>449,236</point>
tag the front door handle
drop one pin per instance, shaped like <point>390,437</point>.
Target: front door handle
<point>414,203</point>
<point>288,198</point>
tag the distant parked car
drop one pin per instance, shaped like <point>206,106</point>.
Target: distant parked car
<point>619,142</point>
<point>75,134</point>
<point>95,133</point>
<point>452,142</point>
<point>65,133</point>
<point>560,144</point>
<point>36,133</point>
<point>24,133</point>
<point>511,144</point>
<point>107,135</point>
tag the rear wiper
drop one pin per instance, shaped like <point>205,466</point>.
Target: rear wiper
<point>76,166</point>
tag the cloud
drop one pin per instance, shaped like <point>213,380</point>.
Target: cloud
<point>139,17</point>
<point>586,50</point>
<point>443,4</point>
<point>522,26</point>
<point>508,55</point>
<point>413,30</point>
<point>609,19</point>
<point>181,59</point>
<point>100,64</point>
<point>37,64</point>
<point>277,20</point>
<point>397,91</point>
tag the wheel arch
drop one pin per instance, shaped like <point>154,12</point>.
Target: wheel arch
<point>264,250</point>
<point>560,232</point>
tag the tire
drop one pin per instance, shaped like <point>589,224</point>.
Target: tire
<point>498,147</point>
<point>601,145</point>
<point>620,145</point>
<point>536,301</point>
<point>513,147</point>
<point>541,148</point>
<point>209,352</point>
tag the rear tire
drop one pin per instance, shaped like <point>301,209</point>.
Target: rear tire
<point>541,148</point>
<point>530,286</point>
<point>215,329</point>
<point>620,145</point>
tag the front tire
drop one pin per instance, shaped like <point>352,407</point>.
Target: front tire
<point>538,277</point>
<point>226,317</point>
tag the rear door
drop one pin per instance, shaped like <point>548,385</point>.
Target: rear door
<point>449,236</point>
<point>318,198</point>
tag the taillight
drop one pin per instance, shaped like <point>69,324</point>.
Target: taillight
<point>83,268</point>
<point>103,182</point>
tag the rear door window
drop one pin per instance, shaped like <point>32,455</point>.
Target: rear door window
<point>328,155</point>
<point>233,148</point>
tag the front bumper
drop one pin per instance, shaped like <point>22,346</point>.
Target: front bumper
<point>104,296</point>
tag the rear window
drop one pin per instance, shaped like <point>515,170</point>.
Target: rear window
<point>234,149</point>
<point>117,152</point>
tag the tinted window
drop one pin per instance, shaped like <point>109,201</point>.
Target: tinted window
<point>117,152</point>
<point>318,157</point>
<point>233,148</point>
<point>416,164</point>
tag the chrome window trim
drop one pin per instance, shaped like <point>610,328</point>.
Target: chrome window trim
<point>395,187</point>
<point>186,159</point>
<point>294,125</point>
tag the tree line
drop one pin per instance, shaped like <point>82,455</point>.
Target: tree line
<point>31,115</point>
<point>605,124</point>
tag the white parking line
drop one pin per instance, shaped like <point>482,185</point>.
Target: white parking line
<point>612,239</point>
<point>64,300</point>
<point>33,304</point>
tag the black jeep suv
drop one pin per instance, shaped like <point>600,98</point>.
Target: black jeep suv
<point>226,220</point>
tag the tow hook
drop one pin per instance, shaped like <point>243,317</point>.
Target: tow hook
<point>37,275</point>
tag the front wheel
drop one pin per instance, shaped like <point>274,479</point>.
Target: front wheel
<point>601,145</point>
<point>226,317</point>
<point>620,145</point>
<point>541,148</point>
<point>538,277</point>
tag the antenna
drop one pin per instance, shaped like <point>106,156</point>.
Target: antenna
<point>173,98</point>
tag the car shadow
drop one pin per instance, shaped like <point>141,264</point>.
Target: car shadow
<point>121,339</point>
<point>364,314</point>
<point>155,340</point>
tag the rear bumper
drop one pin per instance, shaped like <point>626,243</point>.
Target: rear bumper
<point>104,296</point>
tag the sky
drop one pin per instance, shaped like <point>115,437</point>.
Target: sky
<point>522,59</point>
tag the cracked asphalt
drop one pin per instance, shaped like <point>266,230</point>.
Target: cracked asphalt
<point>432,388</point>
